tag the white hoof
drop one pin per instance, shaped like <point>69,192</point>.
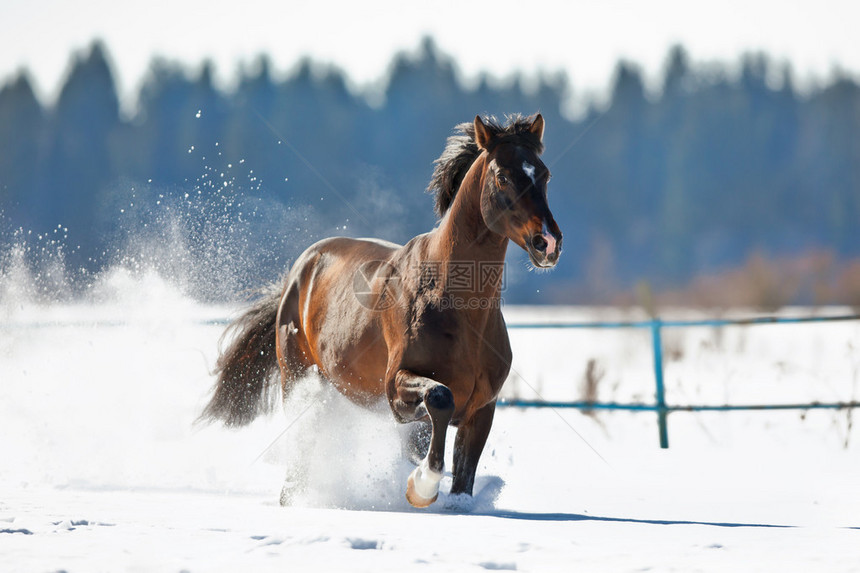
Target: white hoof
<point>422,487</point>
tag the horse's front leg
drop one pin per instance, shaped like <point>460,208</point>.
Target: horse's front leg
<point>413,397</point>
<point>468,445</point>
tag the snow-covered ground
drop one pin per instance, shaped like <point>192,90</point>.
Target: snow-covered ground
<point>101,468</point>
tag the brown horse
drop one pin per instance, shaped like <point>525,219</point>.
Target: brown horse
<point>419,324</point>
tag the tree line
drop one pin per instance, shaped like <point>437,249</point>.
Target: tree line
<point>724,162</point>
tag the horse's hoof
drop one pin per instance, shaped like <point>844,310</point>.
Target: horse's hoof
<point>414,498</point>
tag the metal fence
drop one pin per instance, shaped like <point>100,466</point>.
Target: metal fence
<point>660,406</point>
<point>655,326</point>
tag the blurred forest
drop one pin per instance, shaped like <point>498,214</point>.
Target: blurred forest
<point>729,187</point>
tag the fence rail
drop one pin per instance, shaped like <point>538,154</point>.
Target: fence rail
<point>660,406</point>
<point>655,326</point>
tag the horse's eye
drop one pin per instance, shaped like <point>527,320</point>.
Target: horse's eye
<point>501,180</point>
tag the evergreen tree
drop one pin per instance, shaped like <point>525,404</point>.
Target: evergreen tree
<point>79,165</point>
<point>162,126</point>
<point>22,131</point>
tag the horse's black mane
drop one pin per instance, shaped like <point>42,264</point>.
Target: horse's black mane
<point>461,151</point>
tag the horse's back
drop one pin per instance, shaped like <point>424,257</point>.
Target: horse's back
<point>336,255</point>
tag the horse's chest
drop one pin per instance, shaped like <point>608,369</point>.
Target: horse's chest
<point>473,361</point>
<point>435,334</point>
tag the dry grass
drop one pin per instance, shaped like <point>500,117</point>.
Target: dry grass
<point>768,284</point>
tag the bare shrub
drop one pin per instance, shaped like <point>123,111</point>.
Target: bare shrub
<point>594,373</point>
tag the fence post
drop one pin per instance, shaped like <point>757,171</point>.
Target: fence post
<point>662,411</point>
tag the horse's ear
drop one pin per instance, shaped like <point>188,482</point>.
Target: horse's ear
<point>536,127</point>
<point>483,135</point>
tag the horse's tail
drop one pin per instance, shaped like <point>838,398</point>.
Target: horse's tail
<point>247,368</point>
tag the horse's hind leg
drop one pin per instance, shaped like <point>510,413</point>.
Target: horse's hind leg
<point>413,397</point>
<point>291,350</point>
<point>294,365</point>
<point>292,369</point>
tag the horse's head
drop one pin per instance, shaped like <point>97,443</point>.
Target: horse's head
<point>513,196</point>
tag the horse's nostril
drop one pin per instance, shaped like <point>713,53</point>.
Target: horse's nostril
<point>539,243</point>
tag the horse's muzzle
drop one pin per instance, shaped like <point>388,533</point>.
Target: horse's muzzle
<point>544,248</point>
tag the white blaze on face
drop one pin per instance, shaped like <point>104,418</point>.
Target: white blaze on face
<point>529,170</point>
<point>550,240</point>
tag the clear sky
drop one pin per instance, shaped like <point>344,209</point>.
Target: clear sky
<point>583,38</point>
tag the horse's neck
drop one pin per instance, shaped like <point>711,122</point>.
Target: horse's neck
<point>462,236</point>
